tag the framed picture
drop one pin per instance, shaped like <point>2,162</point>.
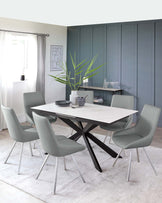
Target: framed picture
<point>56,57</point>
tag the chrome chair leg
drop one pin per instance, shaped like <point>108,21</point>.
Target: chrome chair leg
<point>44,162</point>
<point>64,164</point>
<point>22,145</point>
<point>55,176</point>
<point>129,167</point>
<point>30,147</point>
<point>34,145</point>
<point>111,134</point>
<point>105,139</point>
<point>138,160</point>
<point>76,164</point>
<point>150,162</point>
<point>10,152</point>
<point>124,153</point>
<point>117,157</point>
<point>39,149</point>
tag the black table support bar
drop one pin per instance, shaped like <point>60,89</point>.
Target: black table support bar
<point>89,127</point>
<point>71,124</point>
<point>92,154</point>
<point>76,136</point>
<point>102,145</point>
<point>84,132</point>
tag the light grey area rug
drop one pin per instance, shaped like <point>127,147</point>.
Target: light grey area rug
<point>110,186</point>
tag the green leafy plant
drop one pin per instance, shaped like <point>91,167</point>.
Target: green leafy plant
<point>75,76</point>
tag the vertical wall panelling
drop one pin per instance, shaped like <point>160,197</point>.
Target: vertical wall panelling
<point>85,42</point>
<point>132,53</point>
<point>85,51</point>
<point>99,49</point>
<point>129,59</point>
<point>113,54</point>
<point>73,44</point>
<point>72,47</point>
<point>145,64</point>
<point>158,65</point>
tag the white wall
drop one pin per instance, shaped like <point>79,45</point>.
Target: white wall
<point>58,36</point>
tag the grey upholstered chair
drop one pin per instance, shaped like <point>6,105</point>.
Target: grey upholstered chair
<point>32,99</point>
<point>57,146</point>
<point>121,101</point>
<point>140,135</point>
<point>17,132</point>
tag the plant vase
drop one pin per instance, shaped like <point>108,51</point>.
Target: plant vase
<point>73,97</point>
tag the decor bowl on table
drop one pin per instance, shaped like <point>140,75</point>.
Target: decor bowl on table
<point>62,103</point>
<point>81,101</point>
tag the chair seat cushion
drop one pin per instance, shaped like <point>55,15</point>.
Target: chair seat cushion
<point>30,135</point>
<point>115,126</point>
<point>25,127</point>
<point>68,146</point>
<point>127,141</point>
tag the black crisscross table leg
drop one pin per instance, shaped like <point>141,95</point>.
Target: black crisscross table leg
<point>85,132</point>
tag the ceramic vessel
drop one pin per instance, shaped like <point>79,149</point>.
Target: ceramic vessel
<point>73,97</point>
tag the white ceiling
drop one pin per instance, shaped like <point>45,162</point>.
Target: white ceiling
<point>80,12</point>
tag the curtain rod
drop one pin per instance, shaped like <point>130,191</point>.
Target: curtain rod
<point>39,34</point>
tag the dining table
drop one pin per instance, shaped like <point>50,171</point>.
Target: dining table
<point>84,119</point>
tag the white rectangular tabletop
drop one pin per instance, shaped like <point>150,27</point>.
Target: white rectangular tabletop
<point>92,112</point>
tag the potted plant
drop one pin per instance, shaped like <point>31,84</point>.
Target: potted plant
<point>80,72</point>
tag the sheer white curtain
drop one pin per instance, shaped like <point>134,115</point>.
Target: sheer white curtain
<point>40,84</point>
<point>5,76</point>
<point>10,71</point>
<point>32,63</point>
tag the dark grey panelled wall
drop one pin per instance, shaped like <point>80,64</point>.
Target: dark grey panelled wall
<point>131,52</point>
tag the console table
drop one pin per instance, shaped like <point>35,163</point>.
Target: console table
<point>102,89</point>
<point>111,90</point>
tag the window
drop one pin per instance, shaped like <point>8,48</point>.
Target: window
<point>18,55</point>
<point>21,56</point>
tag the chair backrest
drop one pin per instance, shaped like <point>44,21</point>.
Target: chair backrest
<point>89,98</point>
<point>13,125</point>
<point>123,101</point>
<point>32,99</point>
<point>46,135</point>
<point>126,102</point>
<point>148,121</point>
